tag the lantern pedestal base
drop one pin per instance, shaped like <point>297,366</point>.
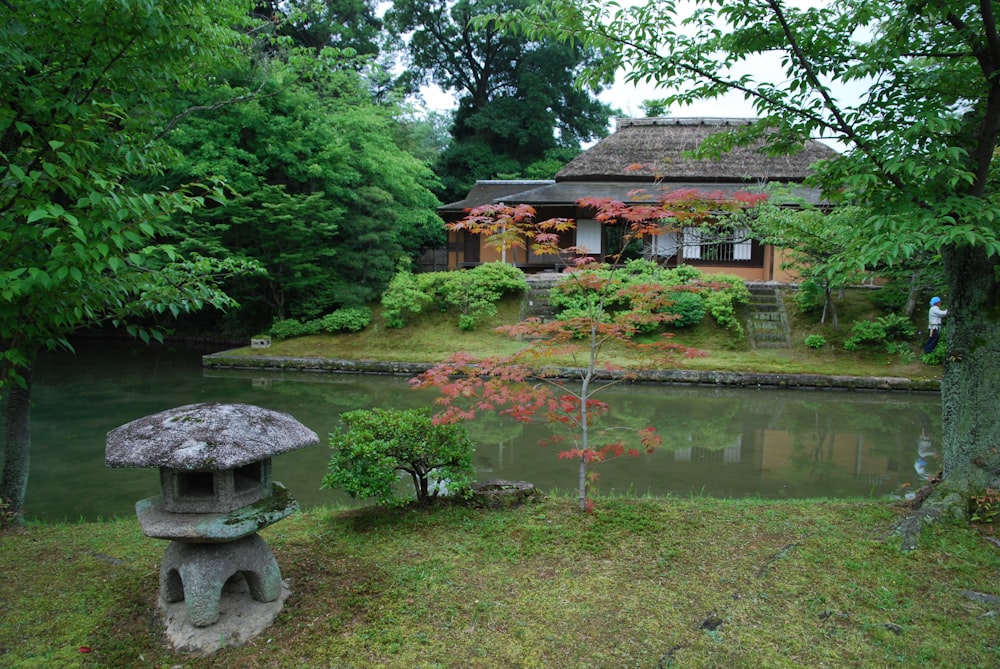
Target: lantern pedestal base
<point>197,573</point>
<point>241,619</point>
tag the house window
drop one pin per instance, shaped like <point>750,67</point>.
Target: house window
<point>589,235</point>
<point>663,246</point>
<point>730,246</point>
<point>717,246</point>
<point>691,238</point>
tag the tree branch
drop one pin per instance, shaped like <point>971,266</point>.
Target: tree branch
<point>988,57</point>
<point>218,105</point>
<point>842,126</point>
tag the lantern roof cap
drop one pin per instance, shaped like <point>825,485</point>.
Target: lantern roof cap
<point>209,436</point>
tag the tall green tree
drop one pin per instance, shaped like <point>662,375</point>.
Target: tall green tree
<point>86,89</point>
<point>322,195</point>
<point>317,24</point>
<point>920,142</point>
<point>517,102</point>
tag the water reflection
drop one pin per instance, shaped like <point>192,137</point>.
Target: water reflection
<point>779,443</point>
<point>717,442</point>
<point>926,465</point>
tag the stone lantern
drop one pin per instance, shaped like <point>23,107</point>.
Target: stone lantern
<point>216,492</point>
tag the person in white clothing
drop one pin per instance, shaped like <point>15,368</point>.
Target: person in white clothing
<point>934,316</point>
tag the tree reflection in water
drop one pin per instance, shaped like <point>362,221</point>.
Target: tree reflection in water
<point>716,441</point>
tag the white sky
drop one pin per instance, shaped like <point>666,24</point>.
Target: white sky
<point>628,98</point>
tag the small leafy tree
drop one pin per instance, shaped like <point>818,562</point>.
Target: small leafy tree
<point>378,444</point>
<point>522,385</point>
<point>821,248</point>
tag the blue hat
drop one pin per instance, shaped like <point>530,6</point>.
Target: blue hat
<point>935,300</point>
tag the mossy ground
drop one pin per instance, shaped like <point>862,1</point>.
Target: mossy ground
<point>639,583</point>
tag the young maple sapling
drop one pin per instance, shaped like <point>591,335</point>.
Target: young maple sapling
<point>527,384</point>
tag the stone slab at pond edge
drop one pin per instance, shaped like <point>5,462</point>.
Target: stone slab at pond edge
<point>232,360</point>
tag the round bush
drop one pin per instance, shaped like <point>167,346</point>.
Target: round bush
<point>815,341</point>
<point>690,308</point>
<point>378,445</point>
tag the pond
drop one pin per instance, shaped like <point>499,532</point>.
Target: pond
<point>717,442</point>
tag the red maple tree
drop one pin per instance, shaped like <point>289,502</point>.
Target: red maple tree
<point>527,384</point>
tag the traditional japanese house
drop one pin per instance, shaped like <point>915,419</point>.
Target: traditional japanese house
<point>642,158</point>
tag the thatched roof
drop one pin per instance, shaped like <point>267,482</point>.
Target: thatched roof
<point>656,145</point>
<point>488,192</point>
<point>649,148</point>
<point>631,192</point>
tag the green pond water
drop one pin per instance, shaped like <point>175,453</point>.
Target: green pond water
<point>716,442</point>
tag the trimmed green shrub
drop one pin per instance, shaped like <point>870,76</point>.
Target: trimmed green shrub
<point>865,333</point>
<point>376,446</point>
<point>685,273</point>
<point>291,327</point>
<point>688,307</point>
<point>722,302</point>
<point>348,319</point>
<point>499,278</point>
<point>403,298</point>
<point>815,341</point>
<point>885,332</point>
<point>474,293</point>
<point>692,294</point>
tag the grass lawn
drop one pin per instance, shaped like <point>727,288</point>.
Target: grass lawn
<point>644,583</point>
<point>639,583</point>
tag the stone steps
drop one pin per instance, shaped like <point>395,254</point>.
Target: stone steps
<point>767,325</point>
<point>536,300</point>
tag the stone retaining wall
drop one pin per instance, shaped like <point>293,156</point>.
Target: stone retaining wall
<point>227,360</point>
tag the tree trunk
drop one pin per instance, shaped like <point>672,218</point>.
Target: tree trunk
<point>14,483</point>
<point>830,308</point>
<point>971,380</point>
<point>585,418</point>
<point>911,298</point>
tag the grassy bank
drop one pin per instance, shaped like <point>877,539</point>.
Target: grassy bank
<point>433,337</point>
<point>640,583</point>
